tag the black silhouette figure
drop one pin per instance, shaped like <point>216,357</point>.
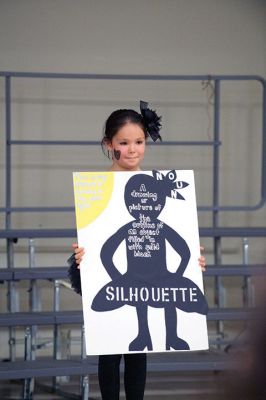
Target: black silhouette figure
<point>147,281</point>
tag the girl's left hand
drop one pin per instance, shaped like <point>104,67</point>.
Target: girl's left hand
<point>202,260</point>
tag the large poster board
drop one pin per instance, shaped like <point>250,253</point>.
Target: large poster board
<point>142,287</point>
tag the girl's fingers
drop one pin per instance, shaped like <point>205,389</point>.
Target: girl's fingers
<point>79,253</point>
<point>202,263</point>
<point>78,257</point>
<point>202,260</point>
<point>79,250</point>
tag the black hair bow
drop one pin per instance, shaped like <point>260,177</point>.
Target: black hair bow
<point>151,120</point>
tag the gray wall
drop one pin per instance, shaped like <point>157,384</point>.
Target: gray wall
<point>121,36</point>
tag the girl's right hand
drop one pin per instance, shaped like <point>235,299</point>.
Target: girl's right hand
<point>202,260</point>
<point>79,253</point>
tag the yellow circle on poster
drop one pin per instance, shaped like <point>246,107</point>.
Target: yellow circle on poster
<point>92,192</point>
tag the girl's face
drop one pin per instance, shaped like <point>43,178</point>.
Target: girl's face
<point>128,148</point>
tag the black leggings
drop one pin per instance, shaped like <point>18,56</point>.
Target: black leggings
<point>134,376</point>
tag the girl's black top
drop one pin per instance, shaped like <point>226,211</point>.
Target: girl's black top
<point>74,274</point>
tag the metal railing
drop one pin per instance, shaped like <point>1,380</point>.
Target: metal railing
<point>215,143</point>
<point>215,231</point>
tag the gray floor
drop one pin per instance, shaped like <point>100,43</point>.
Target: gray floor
<point>167,386</point>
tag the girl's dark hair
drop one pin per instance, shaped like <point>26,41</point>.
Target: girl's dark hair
<point>117,120</point>
<point>147,120</point>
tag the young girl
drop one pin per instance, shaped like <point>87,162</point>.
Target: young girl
<point>124,141</point>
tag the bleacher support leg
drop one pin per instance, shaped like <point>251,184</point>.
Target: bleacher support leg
<point>28,384</point>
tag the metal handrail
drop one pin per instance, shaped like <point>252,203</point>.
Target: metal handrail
<point>215,207</point>
<point>72,233</point>
<point>171,77</point>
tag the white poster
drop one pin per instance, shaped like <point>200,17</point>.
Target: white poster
<point>142,287</point>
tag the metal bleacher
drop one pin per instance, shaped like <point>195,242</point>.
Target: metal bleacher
<point>31,366</point>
